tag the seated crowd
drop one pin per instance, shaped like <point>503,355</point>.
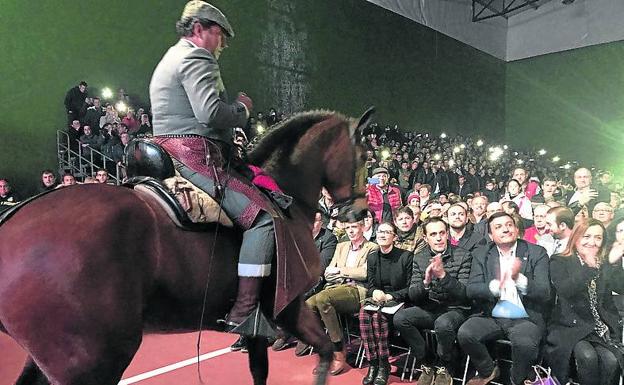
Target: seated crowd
<point>475,256</point>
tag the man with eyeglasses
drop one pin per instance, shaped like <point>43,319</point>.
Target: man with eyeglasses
<point>603,212</point>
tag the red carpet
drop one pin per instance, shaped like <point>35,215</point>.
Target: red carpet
<point>158,351</point>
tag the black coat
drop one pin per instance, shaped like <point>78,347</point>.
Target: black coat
<point>326,243</point>
<point>449,291</point>
<point>572,320</point>
<point>74,100</point>
<point>603,196</point>
<point>486,267</point>
<point>400,274</point>
<point>471,240</point>
<point>464,190</point>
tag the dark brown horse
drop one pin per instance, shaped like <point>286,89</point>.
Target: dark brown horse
<point>86,270</point>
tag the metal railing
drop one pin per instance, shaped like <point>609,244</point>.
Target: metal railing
<point>85,162</point>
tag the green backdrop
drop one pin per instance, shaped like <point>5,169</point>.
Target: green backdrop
<point>293,55</point>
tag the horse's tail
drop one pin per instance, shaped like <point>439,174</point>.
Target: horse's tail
<point>31,374</point>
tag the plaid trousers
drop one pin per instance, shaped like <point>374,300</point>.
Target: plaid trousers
<point>374,329</point>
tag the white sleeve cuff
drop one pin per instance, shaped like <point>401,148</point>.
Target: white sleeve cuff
<point>522,283</point>
<point>495,287</point>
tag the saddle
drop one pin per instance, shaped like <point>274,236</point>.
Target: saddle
<point>152,174</point>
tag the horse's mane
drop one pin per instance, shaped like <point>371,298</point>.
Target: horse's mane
<point>279,141</point>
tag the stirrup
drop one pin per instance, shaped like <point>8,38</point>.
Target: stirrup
<point>255,325</point>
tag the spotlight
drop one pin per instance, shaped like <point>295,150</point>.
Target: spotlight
<point>556,159</point>
<point>443,136</point>
<point>437,156</point>
<point>260,128</point>
<point>385,154</point>
<point>567,166</point>
<point>505,147</point>
<point>121,107</point>
<point>542,152</point>
<point>462,146</point>
<point>456,149</point>
<point>479,143</point>
<point>520,161</point>
<point>107,93</point>
<point>451,163</point>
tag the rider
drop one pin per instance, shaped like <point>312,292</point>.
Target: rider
<point>195,124</point>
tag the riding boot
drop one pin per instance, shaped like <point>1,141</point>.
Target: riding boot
<point>246,317</point>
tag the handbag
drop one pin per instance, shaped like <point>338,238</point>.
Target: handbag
<point>543,377</point>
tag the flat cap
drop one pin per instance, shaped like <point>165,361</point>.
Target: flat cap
<point>380,170</point>
<point>206,11</point>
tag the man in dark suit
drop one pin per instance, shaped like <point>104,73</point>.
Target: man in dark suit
<point>585,194</point>
<point>510,286</point>
<point>463,188</point>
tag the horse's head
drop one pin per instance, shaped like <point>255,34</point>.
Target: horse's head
<point>345,173</point>
<point>315,149</point>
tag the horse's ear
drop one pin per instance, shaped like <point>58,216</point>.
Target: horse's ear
<point>363,122</point>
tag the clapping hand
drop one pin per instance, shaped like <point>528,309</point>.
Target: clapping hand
<point>587,195</point>
<point>379,296</point>
<point>437,267</point>
<point>616,253</point>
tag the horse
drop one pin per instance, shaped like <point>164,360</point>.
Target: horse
<point>86,270</point>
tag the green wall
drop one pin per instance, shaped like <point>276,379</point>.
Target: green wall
<point>571,102</point>
<point>344,55</point>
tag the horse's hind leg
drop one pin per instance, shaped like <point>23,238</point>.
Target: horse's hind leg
<point>32,375</point>
<point>258,359</point>
<point>301,322</point>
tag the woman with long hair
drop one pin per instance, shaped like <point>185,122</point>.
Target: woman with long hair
<point>585,322</point>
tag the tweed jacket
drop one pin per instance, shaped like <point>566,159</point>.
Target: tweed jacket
<point>188,96</point>
<point>355,274</point>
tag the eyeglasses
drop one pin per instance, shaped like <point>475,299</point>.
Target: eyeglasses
<point>385,232</point>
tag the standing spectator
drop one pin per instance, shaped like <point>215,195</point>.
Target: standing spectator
<point>146,126</point>
<point>510,285</point>
<point>383,198</point>
<point>74,101</point>
<point>93,115</point>
<point>109,117</point>
<point>48,181</point>
<point>438,289</point>
<point>585,194</point>
<point>130,121</point>
<point>90,141</point>
<point>74,131</point>
<point>7,197</point>
<point>586,324</point>
<point>389,270</point>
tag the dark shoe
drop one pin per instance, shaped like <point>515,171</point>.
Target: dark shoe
<point>370,375</point>
<point>442,377</point>
<point>484,380</point>
<point>339,363</point>
<point>427,376</point>
<point>382,375</point>
<point>282,343</point>
<point>301,348</point>
<point>240,344</point>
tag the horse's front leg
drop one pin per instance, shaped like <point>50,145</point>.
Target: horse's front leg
<point>258,359</point>
<point>300,321</point>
